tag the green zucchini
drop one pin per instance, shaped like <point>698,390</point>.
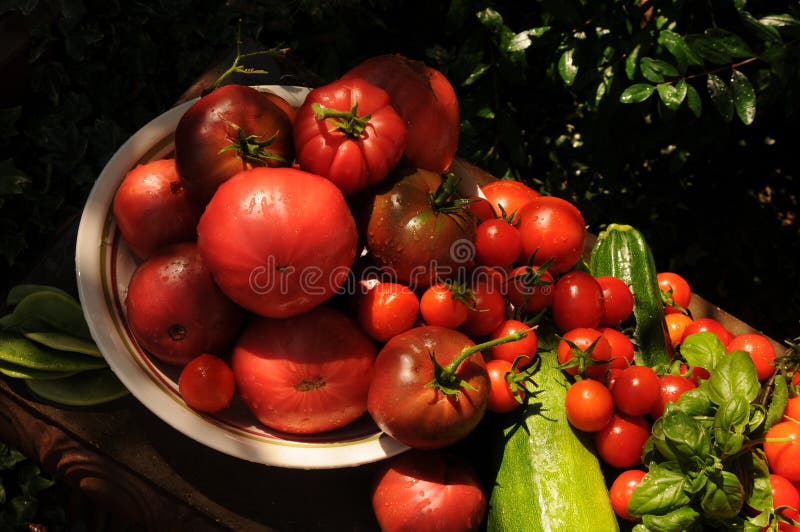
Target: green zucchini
<point>548,478</point>
<point>621,251</point>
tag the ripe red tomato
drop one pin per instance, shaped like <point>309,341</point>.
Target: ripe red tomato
<point>509,351</point>
<point>621,442</point>
<point>304,375</point>
<point>583,338</point>
<point>622,489</point>
<point>229,130</point>
<point>443,306</point>
<point>497,243</point>
<point>418,415</point>
<point>760,350</point>
<point>785,496</point>
<point>415,230</point>
<point>508,196</point>
<point>349,132</point>
<point>488,309</point>
<point>530,288</point>
<point>577,301</point>
<point>427,102</point>
<point>636,389</point>
<point>176,311</point>
<point>617,301</point>
<point>428,490</point>
<point>670,389</point>
<point>278,241</point>
<point>554,229</point>
<point>677,289</point>
<point>782,448</point>
<point>387,310</point>
<point>622,348</point>
<point>481,209</point>
<point>792,410</point>
<point>206,383</point>
<point>676,325</point>
<point>589,405</point>
<point>152,208</point>
<point>708,325</point>
<point>501,398</point>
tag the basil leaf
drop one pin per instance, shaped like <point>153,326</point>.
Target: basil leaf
<point>675,521</point>
<point>757,416</point>
<point>660,491</point>
<point>730,423</point>
<point>684,435</point>
<point>755,469</point>
<point>778,400</point>
<point>703,349</point>
<point>734,375</point>
<point>723,497</point>
<point>695,402</point>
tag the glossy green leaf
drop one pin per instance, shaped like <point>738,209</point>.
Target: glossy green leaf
<point>672,95</point>
<point>761,493</point>
<point>734,375</point>
<point>656,70</point>
<point>684,435</point>
<point>83,389</point>
<point>637,93</point>
<point>675,521</point>
<point>703,349</point>
<point>709,49</point>
<point>777,402</point>
<point>23,352</point>
<point>660,491</point>
<point>680,50</point>
<point>631,61</point>
<point>476,74</point>
<point>764,32</point>
<point>730,423</point>
<point>744,97</point>
<point>724,497</point>
<point>693,100</point>
<point>567,68</point>
<point>721,96</point>
<point>695,402</point>
<point>733,44</point>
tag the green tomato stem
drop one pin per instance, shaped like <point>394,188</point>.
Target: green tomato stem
<point>348,122</point>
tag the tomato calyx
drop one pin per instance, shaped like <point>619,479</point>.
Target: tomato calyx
<point>250,148</point>
<point>581,358</point>
<point>460,292</point>
<point>666,298</point>
<point>348,122</point>
<point>445,199</point>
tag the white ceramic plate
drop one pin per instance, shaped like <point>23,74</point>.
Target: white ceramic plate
<point>104,266</point>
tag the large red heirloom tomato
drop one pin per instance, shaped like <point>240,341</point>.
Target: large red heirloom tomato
<point>427,102</point>
<point>278,241</point>
<point>349,132</point>
<point>231,129</point>
<point>306,374</point>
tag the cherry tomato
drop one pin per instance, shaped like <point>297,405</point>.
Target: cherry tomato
<point>670,389</point>
<point>676,325</point>
<point>782,448</point>
<point>760,350</point>
<point>257,261</point>
<point>206,383</point>
<point>481,209</point>
<point>617,301</point>
<point>622,489</point>
<point>554,229</point>
<point>577,301</point>
<point>427,102</point>
<point>583,338</point>
<point>497,243</point>
<point>509,351</point>
<point>403,405</point>
<point>231,129</point>
<point>708,325</point>
<point>636,389</point>
<point>622,348</point>
<point>488,310</point>
<point>433,491</point>
<point>304,375</point>
<point>784,494</point>
<point>441,305</point>
<point>501,398</point>
<point>508,196</point>
<point>792,410</point>
<point>176,311</point>
<point>677,289</point>
<point>589,405</point>
<point>530,288</point>
<point>349,132</point>
<point>387,310</point>
<point>621,442</point>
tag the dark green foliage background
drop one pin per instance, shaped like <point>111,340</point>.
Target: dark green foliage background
<point>717,199</point>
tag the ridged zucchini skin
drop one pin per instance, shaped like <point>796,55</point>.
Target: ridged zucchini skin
<point>621,251</point>
<point>548,478</point>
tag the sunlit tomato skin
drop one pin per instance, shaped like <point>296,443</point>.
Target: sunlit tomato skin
<point>577,301</point>
<point>304,375</point>
<point>589,405</point>
<point>387,310</point>
<point>152,208</point>
<point>526,293</point>
<point>278,241</point>
<point>792,410</point>
<point>440,306</point>
<point>785,494</point>
<point>355,152</point>
<point>782,449</point>
<point>583,338</point>
<point>676,326</point>
<point>524,348</point>
<point>622,489</point>
<point>708,325</point>
<point>419,416</point>
<point>501,398</point>
<point>621,442</point>
<point>622,348</point>
<point>681,292</point>
<point>221,119</point>
<point>497,243</point>
<point>617,301</point>
<point>636,389</point>
<point>488,309</point>
<point>670,389</point>
<point>553,228</point>
<point>760,350</point>
<point>508,196</point>
<point>433,491</point>
<point>175,310</point>
<point>207,384</point>
<point>425,100</point>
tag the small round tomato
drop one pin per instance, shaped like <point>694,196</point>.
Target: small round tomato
<point>497,243</point>
<point>387,310</point>
<point>487,312</point>
<point>617,301</point>
<point>433,491</point>
<point>589,405</point>
<point>501,398</point>
<point>152,208</point>
<point>636,389</point>
<point>508,196</point>
<point>554,229</point>
<point>442,305</point>
<point>596,362</point>
<point>481,209</point>
<point>676,289</point>
<point>708,325</point>
<point>760,350</point>
<point>577,301</point>
<point>676,325</point>
<point>785,496</point>
<point>622,489</point>
<point>206,383</point>
<point>671,387</point>
<point>349,132</point>
<point>621,442</point>
<point>510,351</point>
<point>622,348</point>
<point>530,288</point>
<point>782,448</point>
<point>792,410</point>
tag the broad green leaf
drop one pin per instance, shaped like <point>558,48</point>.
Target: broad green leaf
<point>655,69</point>
<point>679,49</point>
<point>672,95</point>
<point>744,97</point>
<point>765,32</point>
<point>756,467</point>
<point>693,100</point>
<point>721,96</point>
<point>695,402</point>
<point>778,400</point>
<point>684,435</point>
<point>637,93</point>
<point>675,521</point>
<point>703,349</point>
<point>733,45</point>
<point>477,73</point>
<point>709,49</point>
<point>724,497</point>
<point>734,375</point>
<point>730,423</point>
<point>567,68</point>
<point>630,62</point>
<point>660,491</point>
